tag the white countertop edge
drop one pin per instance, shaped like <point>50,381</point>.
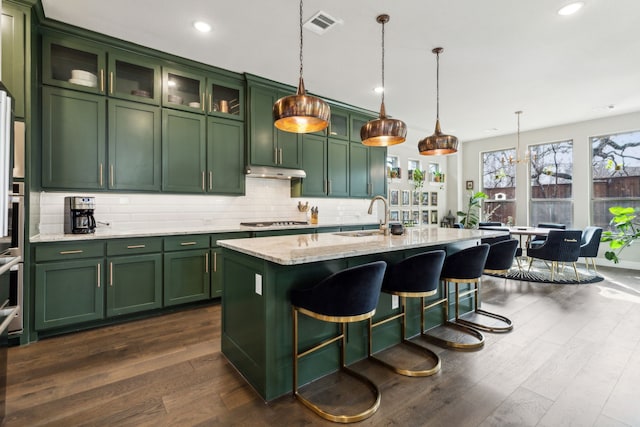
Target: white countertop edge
<point>6,267</point>
<point>112,234</point>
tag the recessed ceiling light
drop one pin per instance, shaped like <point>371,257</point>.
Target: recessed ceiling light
<point>202,26</point>
<point>378,89</point>
<point>571,8</point>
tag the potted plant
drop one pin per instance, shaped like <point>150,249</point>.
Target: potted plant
<point>471,217</point>
<point>627,230</point>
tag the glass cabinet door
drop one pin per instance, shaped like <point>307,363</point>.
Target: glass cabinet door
<point>74,65</point>
<point>356,124</point>
<point>225,99</point>
<point>183,90</point>
<point>133,78</point>
<point>339,124</point>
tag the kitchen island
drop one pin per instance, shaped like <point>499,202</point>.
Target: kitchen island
<point>259,273</point>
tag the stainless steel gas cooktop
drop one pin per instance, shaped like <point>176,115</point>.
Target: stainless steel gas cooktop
<point>274,223</point>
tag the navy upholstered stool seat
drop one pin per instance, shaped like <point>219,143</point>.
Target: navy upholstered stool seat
<point>417,276</point>
<point>500,257</point>
<point>350,295</point>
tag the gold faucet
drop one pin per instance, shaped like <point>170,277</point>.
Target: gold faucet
<point>384,228</point>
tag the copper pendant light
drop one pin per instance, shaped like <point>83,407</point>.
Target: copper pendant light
<point>301,113</point>
<point>438,143</point>
<point>383,131</point>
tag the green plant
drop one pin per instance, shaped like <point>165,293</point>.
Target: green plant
<point>418,179</point>
<point>627,231</point>
<point>470,218</point>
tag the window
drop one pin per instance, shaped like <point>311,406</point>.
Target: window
<point>615,172</point>
<point>393,167</point>
<point>413,165</point>
<point>551,183</point>
<point>499,183</point>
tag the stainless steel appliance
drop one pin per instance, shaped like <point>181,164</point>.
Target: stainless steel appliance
<point>78,215</point>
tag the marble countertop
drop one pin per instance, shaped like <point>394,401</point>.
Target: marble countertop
<point>108,233</point>
<point>306,248</point>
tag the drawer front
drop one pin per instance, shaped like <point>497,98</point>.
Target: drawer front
<point>134,246</point>
<point>182,243</point>
<point>227,236</point>
<point>68,251</point>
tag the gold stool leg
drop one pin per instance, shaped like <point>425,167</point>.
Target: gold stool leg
<point>508,325</point>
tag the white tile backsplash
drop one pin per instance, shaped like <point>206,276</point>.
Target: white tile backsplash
<point>265,199</point>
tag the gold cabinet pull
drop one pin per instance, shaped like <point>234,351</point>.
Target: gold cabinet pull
<point>210,180</point>
<point>77,251</point>
<point>202,102</point>
<point>215,262</point>
<point>280,157</point>
<point>100,174</point>
<point>111,274</point>
<point>111,175</point>
<point>275,156</point>
<point>98,274</point>
<point>101,80</point>
<point>187,243</point>
<point>111,82</point>
<point>135,246</point>
<point>206,262</point>
<point>210,102</point>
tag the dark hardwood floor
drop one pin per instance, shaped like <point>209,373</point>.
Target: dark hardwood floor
<point>573,359</point>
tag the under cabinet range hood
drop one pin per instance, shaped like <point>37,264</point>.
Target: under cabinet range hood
<point>274,172</point>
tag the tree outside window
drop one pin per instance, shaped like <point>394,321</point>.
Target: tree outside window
<point>551,183</point>
<point>615,172</point>
<point>499,183</point>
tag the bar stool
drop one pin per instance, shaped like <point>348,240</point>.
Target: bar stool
<point>350,295</point>
<point>460,267</point>
<point>414,277</point>
<point>467,266</point>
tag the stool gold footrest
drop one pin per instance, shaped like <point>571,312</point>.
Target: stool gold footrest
<point>411,372</point>
<point>488,328</point>
<point>341,418</point>
<point>457,345</point>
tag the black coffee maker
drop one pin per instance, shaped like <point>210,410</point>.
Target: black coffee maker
<point>78,215</point>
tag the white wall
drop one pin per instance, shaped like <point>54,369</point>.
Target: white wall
<point>468,167</point>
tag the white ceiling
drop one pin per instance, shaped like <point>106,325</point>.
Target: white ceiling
<point>499,55</point>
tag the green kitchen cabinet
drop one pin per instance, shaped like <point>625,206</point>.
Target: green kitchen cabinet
<point>73,139</point>
<point>339,123</point>
<point>77,64</point>
<point>225,156</point>
<point>135,146</point>
<point>184,151</point>
<point>358,170</point>
<point>15,20</point>
<point>197,91</point>
<point>356,122</point>
<point>269,145</point>
<point>69,283</point>
<point>337,168</point>
<point>378,171</point>
<point>134,276</point>
<point>186,269</point>
<point>133,77</point>
<point>216,272</point>
<point>314,162</point>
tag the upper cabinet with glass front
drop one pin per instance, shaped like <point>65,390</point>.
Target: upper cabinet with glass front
<point>192,90</point>
<point>80,65</point>
<point>339,124</point>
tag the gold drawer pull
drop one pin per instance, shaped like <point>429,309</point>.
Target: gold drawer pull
<point>187,243</point>
<point>136,246</point>
<point>79,251</point>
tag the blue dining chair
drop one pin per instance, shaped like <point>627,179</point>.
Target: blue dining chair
<point>589,245</point>
<point>560,246</point>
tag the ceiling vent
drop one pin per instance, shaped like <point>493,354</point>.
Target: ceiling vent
<point>321,22</point>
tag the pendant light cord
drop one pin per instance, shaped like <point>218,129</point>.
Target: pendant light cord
<point>383,88</point>
<point>437,85</point>
<point>301,39</point>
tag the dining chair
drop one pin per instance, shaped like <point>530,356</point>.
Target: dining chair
<point>589,245</point>
<point>538,240</point>
<point>560,246</point>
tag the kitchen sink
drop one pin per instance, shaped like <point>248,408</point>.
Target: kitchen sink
<point>359,233</point>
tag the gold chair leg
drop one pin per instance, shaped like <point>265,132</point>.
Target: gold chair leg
<point>575,269</point>
<point>508,325</point>
<point>455,345</point>
<point>424,351</point>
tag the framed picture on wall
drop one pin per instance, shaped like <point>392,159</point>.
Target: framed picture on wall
<point>406,197</point>
<point>394,216</point>
<point>393,197</point>
<point>425,217</point>
<point>425,198</point>
<point>469,185</point>
<point>416,198</point>
<point>434,198</point>
<point>434,217</point>
<point>415,216</point>
<point>405,216</point>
